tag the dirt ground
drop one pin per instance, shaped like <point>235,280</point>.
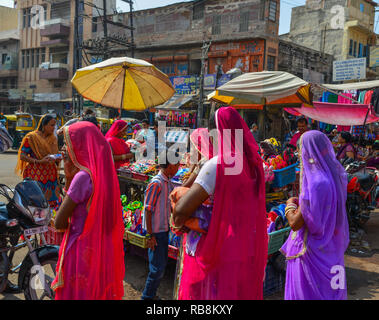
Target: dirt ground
<point>362,271</point>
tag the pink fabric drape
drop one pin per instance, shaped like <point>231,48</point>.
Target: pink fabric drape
<point>337,113</point>
<point>231,258</point>
<point>98,260</point>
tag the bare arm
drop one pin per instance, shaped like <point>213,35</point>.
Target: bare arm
<point>188,204</point>
<point>189,182</point>
<point>295,219</point>
<point>64,213</point>
<point>123,156</point>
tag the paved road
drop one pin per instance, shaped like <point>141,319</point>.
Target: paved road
<point>362,272</point>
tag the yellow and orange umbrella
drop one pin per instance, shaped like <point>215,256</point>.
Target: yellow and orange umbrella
<point>123,83</point>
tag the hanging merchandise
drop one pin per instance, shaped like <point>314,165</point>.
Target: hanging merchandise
<point>375,100</point>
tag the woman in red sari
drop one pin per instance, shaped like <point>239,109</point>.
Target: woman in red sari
<point>120,149</point>
<point>91,256</point>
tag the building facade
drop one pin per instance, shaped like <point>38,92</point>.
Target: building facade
<point>342,28</point>
<point>9,49</point>
<point>48,49</point>
<point>243,34</point>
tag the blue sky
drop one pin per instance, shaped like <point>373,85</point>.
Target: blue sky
<point>285,9</point>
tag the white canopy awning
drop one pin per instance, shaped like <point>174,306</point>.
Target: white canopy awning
<point>259,87</point>
<point>353,86</point>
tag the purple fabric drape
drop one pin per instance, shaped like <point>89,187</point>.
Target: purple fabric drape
<point>315,253</point>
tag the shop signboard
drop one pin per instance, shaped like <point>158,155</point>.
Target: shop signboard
<point>185,84</point>
<point>210,81</point>
<point>352,69</point>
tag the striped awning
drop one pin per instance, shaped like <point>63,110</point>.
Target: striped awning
<point>177,102</point>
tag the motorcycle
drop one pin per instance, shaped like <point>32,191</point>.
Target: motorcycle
<point>361,192</point>
<point>27,214</point>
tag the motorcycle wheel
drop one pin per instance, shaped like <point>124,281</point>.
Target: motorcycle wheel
<point>33,289</point>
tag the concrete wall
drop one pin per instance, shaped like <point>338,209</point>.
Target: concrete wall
<point>294,59</point>
<point>8,18</point>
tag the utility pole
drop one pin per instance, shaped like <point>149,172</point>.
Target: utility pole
<point>105,28</point>
<point>204,55</point>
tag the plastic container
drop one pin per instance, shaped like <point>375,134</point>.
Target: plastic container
<point>140,176</point>
<point>284,176</point>
<point>173,252</point>
<point>277,239</point>
<point>53,237</point>
<point>136,239</point>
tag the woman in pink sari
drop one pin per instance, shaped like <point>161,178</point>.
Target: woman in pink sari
<point>230,259</point>
<point>120,149</point>
<point>91,256</point>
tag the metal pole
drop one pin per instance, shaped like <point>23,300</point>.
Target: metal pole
<point>131,25</point>
<point>204,54</point>
<point>105,29</point>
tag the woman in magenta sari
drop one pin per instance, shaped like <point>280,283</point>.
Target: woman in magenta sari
<point>230,259</point>
<point>320,234</point>
<point>120,149</point>
<point>91,256</point>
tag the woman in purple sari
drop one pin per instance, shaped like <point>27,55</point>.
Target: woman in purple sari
<point>320,233</point>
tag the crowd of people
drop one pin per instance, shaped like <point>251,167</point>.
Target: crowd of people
<point>221,215</point>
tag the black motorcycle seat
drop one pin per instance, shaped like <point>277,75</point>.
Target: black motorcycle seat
<point>365,180</point>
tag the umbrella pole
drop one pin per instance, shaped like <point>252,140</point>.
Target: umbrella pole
<point>122,94</point>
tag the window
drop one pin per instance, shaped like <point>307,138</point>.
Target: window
<point>216,25</point>
<point>37,58</point>
<point>360,51</point>
<point>32,58</point>
<point>362,7</point>
<point>13,83</point>
<point>4,86</point>
<point>355,49</point>
<point>3,58</point>
<point>24,13</point>
<point>365,51</point>
<point>270,63</point>
<point>272,11</point>
<point>244,22</point>
<point>198,11</point>
<point>351,47</point>
<point>43,54</point>
<point>94,24</point>
<point>27,59</point>
<point>23,59</point>
<point>262,10</point>
<point>29,16</point>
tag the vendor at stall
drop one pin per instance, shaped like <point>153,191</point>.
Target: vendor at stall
<point>302,127</point>
<point>120,149</point>
<point>346,149</point>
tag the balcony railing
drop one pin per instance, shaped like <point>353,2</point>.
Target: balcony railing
<point>56,28</point>
<point>56,71</point>
<point>55,43</point>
